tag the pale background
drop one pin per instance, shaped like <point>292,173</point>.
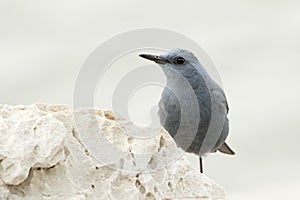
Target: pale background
<point>254,44</point>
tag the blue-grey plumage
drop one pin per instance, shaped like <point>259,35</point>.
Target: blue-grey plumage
<point>193,107</point>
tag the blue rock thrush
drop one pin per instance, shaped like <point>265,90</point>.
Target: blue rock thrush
<point>193,107</point>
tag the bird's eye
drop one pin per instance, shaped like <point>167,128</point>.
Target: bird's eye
<point>179,60</point>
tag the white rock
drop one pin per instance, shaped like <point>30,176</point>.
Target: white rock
<point>48,152</point>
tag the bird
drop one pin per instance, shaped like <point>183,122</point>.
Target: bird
<point>193,108</point>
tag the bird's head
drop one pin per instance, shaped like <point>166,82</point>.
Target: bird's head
<point>176,61</point>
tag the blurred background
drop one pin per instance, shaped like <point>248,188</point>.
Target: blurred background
<point>254,44</point>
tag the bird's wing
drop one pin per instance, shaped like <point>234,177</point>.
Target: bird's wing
<point>222,107</point>
<point>219,99</point>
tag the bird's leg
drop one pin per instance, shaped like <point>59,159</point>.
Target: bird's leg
<point>200,163</point>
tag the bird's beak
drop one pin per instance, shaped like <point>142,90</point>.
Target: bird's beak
<point>155,58</point>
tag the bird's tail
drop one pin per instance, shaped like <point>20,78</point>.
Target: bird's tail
<point>226,149</point>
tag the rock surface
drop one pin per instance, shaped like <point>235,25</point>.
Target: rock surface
<point>49,152</point>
